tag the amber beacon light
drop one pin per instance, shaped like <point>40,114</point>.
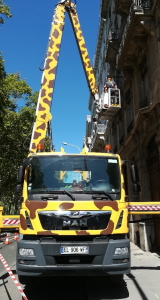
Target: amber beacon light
<point>40,148</point>
<point>108,148</point>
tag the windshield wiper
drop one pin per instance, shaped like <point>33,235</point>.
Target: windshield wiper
<point>67,193</point>
<point>56,192</point>
<point>100,193</point>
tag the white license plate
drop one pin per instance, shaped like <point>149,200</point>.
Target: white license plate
<point>74,250</point>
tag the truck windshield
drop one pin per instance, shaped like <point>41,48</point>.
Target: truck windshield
<point>74,174</point>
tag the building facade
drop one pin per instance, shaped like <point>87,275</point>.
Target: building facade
<point>128,48</point>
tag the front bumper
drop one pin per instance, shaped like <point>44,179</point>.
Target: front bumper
<point>49,262</point>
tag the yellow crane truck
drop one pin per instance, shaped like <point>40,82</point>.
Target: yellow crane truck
<point>74,214</point>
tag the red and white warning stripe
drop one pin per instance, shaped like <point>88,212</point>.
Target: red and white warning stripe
<point>11,222</point>
<point>143,208</point>
<point>13,277</point>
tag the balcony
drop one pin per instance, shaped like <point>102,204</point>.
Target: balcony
<point>144,4</point>
<point>99,137</point>
<point>121,6</point>
<point>104,8</point>
<point>136,24</point>
<point>101,129</point>
<point>112,45</point>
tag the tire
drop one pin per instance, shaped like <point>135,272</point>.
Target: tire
<point>116,280</point>
<point>25,279</point>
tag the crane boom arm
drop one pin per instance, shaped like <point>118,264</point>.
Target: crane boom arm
<point>43,115</point>
<point>83,52</point>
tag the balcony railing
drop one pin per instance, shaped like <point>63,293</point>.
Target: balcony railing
<point>114,34</point>
<point>136,5</point>
<point>113,42</point>
<point>145,4</point>
<point>101,128</point>
<point>98,136</point>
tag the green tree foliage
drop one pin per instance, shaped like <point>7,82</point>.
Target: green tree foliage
<point>12,89</point>
<point>15,129</point>
<point>16,124</point>
<point>4,11</point>
<point>3,95</point>
<point>15,134</point>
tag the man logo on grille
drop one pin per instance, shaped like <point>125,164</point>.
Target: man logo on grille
<point>75,223</point>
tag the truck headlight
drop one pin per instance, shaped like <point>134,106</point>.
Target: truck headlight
<point>26,252</point>
<point>121,251</point>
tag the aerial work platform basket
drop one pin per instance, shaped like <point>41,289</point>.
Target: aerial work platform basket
<point>111,101</point>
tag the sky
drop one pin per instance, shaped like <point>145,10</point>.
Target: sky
<point>23,42</point>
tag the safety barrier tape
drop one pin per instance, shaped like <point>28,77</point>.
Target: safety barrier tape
<point>13,277</point>
<point>11,222</point>
<point>143,208</point>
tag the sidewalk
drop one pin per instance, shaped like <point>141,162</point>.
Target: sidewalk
<point>143,282</point>
<point>143,258</point>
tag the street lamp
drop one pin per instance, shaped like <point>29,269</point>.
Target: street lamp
<point>66,144</point>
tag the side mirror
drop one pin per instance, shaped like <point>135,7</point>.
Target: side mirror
<point>18,189</point>
<point>20,175</point>
<point>31,175</point>
<point>135,179</point>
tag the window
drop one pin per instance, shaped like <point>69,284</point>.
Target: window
<point>73,174</point>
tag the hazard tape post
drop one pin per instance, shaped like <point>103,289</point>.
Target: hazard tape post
<point>7,241</point>
<point>13,277</point>
<point>7,238</point>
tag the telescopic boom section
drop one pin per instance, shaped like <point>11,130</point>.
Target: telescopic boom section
<point>43,115</point>
<point>83,53</point>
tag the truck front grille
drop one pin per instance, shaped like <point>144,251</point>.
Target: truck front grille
<point>74,220</point>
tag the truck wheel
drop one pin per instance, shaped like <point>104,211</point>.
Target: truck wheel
<point>24,279</point>
<point>116,280</point>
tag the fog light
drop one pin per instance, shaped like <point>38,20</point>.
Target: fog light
<point>26,252</point>
<point>126,260</point>
<point>121,251</point>
<point>21,261</point>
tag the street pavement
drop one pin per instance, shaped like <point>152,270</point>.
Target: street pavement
<point>143,283</point>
